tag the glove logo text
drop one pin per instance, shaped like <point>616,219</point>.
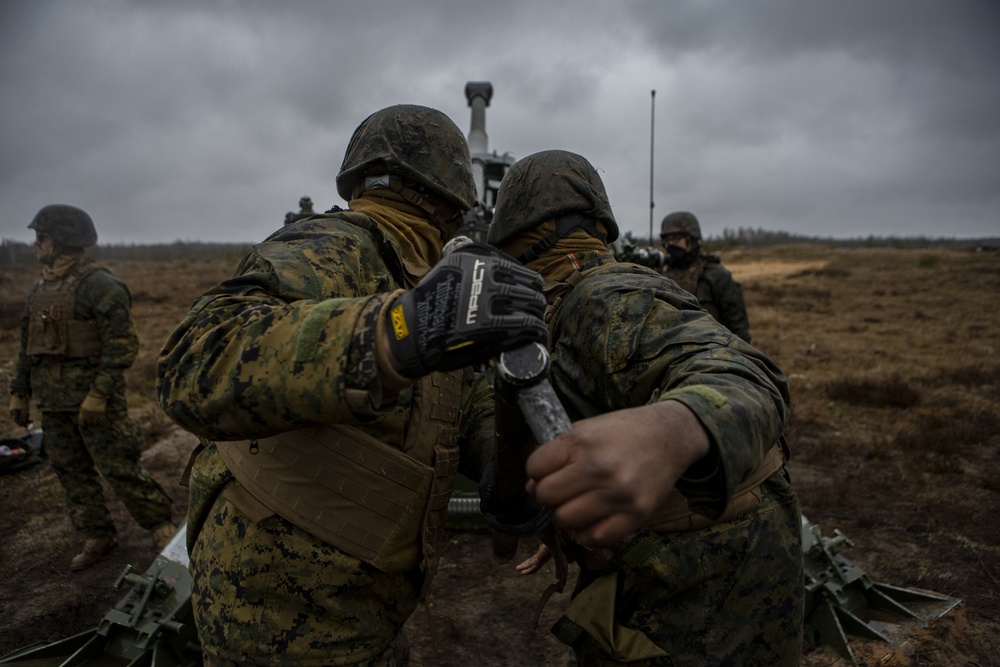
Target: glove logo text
<point>478,272</point>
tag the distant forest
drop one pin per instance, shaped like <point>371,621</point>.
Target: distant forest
<point>18,252</point>
<point>748,237</point>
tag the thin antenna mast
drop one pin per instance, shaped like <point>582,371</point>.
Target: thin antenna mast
<point>652,118</point>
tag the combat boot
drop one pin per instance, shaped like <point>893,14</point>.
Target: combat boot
<point>94,549</point>
<point>163,534</point>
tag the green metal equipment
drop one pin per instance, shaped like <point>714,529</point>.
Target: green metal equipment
<point>151,626</point>
<point>842,600</point>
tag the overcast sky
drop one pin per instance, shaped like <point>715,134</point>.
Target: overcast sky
<point>207,120</point>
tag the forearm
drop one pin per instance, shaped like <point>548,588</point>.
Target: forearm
<point>20,384</point>
<point>743,411</point>
<point>239,367</point>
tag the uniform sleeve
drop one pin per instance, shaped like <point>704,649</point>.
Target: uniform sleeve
<point>728,299</point>
<point>636,342</point>
<point>270,349</point>
<point>477,439</point>
<point>20,384</point>
<point>106,300</point>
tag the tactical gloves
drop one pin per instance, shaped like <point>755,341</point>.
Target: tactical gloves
<point>92,409</point>
<point>19,411</point>
<point>475,303</point>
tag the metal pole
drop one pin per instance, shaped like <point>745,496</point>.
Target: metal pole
<point>652,119</point>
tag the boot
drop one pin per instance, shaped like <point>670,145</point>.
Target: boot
<point>94,549</point>
<point>163,534</point>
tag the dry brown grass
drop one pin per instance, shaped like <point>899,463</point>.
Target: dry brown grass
<point>162,292</point>
<point>893,360</point>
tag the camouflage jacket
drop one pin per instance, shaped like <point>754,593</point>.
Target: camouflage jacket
<point>717,292</point>
<point>62,384</point>
<point>288,342</point>
<point>625,336</point>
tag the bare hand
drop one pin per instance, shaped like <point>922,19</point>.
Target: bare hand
<point>607,476</point>
<point>535,562</point>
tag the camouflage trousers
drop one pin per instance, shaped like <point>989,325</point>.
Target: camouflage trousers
<point>397,655</point>
<point>265,592</point>
<point>81,456</point>
<point>730,594</point>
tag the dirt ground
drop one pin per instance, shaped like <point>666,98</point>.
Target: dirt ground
<point>892,359</point>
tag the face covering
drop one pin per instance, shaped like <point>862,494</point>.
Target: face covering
<point>681,258</point>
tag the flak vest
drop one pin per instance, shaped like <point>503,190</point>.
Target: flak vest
<point>688,280</point>
<point>55,332</point>
<point>674,514</point>
<point>351,490</point>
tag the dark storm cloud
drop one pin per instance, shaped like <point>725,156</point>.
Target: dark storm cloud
<point>880,112</point>
<point>208,120</point>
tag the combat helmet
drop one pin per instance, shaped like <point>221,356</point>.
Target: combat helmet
<point>69,226</point>
<point>681,222</point>
<point>551,185</point>
<point>306,203</point>
<point>409,142</point>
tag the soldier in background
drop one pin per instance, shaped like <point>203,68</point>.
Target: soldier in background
<point>702,274</point>
<point>334,366</point>
<point>77,340</point>
<point>305,211</point>
<point>674,465</point>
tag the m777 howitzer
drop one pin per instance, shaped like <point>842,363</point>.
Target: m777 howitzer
<point>150,626</point>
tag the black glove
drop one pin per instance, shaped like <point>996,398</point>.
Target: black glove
<point>474,304</point>
<point>523,517</point>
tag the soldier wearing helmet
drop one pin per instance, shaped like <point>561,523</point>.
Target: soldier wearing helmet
<point>305,211</point>
<point>702,274</point>
<point>669,490</point>
<point>77,341</point>
<point>331,379</point>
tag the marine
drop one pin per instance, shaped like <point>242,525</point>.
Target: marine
<point>669,491</point>
<point>305,210</point>
<point>77,341</point>
<point>332,382</point>
<point>701,273</point>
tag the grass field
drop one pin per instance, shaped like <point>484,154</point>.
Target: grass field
<point>893,358</point>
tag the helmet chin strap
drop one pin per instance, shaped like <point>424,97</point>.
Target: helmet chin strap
<point>396,184</point>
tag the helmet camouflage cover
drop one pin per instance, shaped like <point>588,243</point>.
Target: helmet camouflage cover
<point>545,186</point>
<point>681,222</point>
<point>69,226</point>
<point>414,142</point>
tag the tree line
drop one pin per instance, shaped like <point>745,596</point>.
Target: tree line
<point>18,252</point>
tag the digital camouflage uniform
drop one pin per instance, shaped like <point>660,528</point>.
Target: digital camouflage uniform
<point>59,384</point>
<point>717,292</point>
<point>264,590</point>
<point>332,373</point>
<point>703,275</point>
<point>696,594</point>
<point>715,580</point>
